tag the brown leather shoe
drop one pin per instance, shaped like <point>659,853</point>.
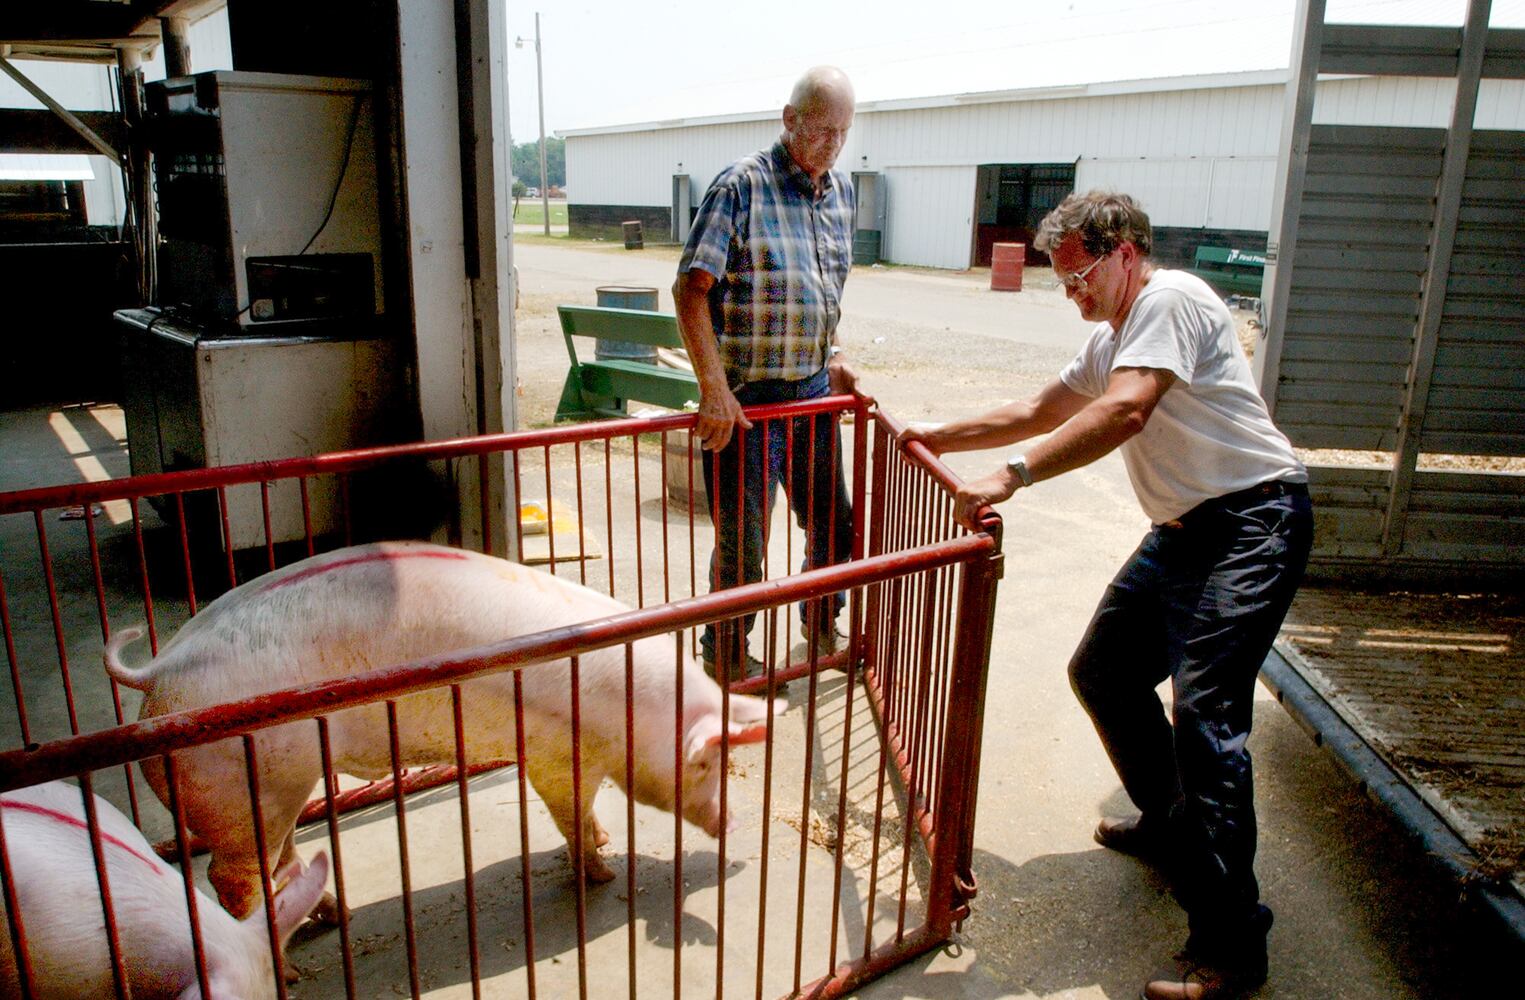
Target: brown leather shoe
<point>1146,839</point>
<point>1193,980</point>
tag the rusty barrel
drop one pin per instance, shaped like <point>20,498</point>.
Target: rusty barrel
<point>1006,266</point>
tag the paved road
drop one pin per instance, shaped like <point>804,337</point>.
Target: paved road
<point>875,295</point>
<point>1359,912</point>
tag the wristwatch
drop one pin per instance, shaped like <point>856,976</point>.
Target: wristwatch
<point>833,351</point>
<point>1018,464</point>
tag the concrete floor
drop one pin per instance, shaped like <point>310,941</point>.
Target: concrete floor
<point>1360,913</point>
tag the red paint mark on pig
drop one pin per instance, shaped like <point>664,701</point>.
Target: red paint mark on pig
<point>357,560</point>
<point>78,824</point>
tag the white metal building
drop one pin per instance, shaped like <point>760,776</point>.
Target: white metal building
<point>962,170</point>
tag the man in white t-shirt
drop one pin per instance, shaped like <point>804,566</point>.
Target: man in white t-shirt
<point>1163,377</point>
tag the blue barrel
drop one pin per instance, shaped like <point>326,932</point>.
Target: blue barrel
<point>626,297</point>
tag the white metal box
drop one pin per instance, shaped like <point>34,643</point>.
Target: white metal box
<point>271,176</point>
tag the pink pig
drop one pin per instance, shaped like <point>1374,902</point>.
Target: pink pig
<point>59,898</point>
<point>373,606</point>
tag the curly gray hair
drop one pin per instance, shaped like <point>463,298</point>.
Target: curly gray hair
<point>1104,219</point>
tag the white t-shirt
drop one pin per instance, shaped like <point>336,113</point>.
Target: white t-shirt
<point>1210,434</point>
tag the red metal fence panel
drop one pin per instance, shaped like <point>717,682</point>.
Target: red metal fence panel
<point>854,810</point>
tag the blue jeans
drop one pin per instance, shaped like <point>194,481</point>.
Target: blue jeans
<point>805,455</point>
<point>1199,602</point>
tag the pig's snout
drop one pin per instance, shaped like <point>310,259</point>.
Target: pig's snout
<point>708,817</point>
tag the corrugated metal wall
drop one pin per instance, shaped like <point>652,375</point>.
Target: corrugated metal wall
<point>636,168</point>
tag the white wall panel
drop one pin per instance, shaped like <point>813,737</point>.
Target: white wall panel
<point>1196,157</point>
<point>930,215</point>
<point>636,168</point>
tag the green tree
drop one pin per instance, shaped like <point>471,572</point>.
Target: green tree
<point>526,162</point>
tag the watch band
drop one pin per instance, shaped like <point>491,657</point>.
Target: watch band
<point>1018,464</point>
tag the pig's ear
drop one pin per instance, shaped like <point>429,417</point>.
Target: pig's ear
<point>745,708</point>
<point>296,898</point>
<point>704,735</point>
<point>755,733</point>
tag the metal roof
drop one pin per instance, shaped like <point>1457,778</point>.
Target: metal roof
<point>1253,78</point>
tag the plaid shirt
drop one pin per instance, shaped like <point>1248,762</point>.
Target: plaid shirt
<point>780,256</point>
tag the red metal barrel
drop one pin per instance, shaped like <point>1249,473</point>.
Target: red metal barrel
<point>1006,266</point>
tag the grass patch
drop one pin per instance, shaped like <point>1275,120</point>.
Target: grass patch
<point>529,211</point>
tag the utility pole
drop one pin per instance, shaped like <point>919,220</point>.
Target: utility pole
<point>545,194</point>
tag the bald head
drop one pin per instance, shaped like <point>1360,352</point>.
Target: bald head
<point>819,85</point>
<point>816,120</point>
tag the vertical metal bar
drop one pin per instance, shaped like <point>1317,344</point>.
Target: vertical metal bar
<point>15,668</point>
<point>871,647</point>
<point>306,513</point>
<point>519,492</point>
<point>789,436</point>
<point>922,766</point>
<point>810,724</point>
<point>264,506</point>
<point>582,528</point>
<point>738,646</point>
<point>872,892</point>
<point>148,597</point>
<point>609,510</point>
<point>524,837</point>
<point>484,500</point>
<point>262,848</point>
<point>98,580</point>
<point>15,922</point>
<point>847,741</point>
<point>550,510</point>
<point>666,551</point>
<point>227,534</point>
<point>330,782</point>
<point>771,632</point>
<point>630,811</point>
<point>400,808</point>
<point>185,552</point>
<point>677,812</point>
<point>725,785</point>
<point>640,571</point>
<point>108,907</point>
<point>860,475</point>
<point>58,622</point>
<point>693,558</point>
<point>765,428</point>
<point>187,872</point>
<point>463,794</point>
<point>579,865</point>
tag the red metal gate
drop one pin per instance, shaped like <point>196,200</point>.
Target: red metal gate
<point>856,816</point>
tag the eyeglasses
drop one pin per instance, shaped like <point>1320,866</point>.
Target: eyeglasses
<point>1077,282</point>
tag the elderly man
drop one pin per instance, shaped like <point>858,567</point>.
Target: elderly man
<point>758,296</point>
<point>1164,378</point>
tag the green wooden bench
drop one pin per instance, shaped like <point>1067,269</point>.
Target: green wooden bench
<point>600,388</point>
<point>1229,270</point>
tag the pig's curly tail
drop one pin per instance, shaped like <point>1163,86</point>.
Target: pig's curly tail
<point>128,677</point>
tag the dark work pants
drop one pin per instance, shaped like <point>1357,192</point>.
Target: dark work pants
<point>1200,603</point>
<point>804,454</point>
